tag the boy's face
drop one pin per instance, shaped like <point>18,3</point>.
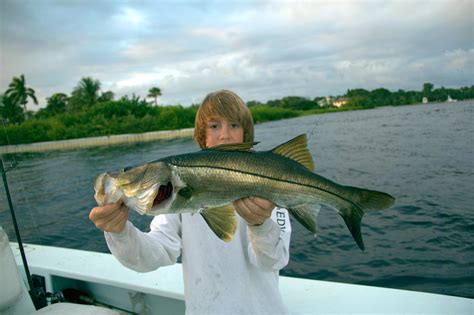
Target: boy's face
<point>222,131</point>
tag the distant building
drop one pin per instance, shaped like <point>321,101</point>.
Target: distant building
<point>340,102</point>
<point>425,100</point>
<point>327,101</point>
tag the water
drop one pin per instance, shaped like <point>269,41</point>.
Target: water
<point>422,155</point>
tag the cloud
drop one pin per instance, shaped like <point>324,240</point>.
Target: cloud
<point>261,49</point>
<point>129,17</point>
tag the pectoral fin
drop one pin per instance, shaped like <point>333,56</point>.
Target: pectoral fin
<point>222,221</point>
<point>186,192</point>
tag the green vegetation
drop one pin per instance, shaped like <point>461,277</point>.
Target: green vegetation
<point>88,112</point>
<point>266,113</point>
<point>103,119</point>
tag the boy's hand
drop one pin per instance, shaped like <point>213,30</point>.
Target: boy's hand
<point>110,218</point>
<point>254,210</point>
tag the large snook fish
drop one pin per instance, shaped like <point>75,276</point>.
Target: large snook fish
<point>209,180</point>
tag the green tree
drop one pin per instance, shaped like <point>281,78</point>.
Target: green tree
<point>10,111</point>
<point>85,94</point>
<point>466,92</point>
<point>253,103</point>
<point>19,93</point>
<point>106,96</point>
<point>427,88</point>
<point>298,103</point>
<point>380,97</point>
<point>357,92</point>
<point>399,97</point>
<point>439,95</point>
<point>135,99</point>
<point>274,103</point>
<point>56,104</point>
<point>154,92</point>
<point>359,97</point>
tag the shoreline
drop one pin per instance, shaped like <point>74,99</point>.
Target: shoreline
<point>140,137</point>
<point>97,141</point>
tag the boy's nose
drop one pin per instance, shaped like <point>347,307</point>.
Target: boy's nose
<point>224,134</point>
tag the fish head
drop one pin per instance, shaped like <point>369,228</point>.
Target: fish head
<point>148,189</point>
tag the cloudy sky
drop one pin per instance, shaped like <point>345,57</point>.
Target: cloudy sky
<point>261,49</point>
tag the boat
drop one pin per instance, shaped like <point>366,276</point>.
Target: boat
<point>111,288</point>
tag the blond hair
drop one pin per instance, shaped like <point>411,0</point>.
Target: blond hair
<point>222,104</point>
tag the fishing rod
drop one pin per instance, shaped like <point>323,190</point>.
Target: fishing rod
<point>36,292</point>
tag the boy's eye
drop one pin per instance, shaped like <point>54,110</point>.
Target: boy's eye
<point>212,126</point>
<point>234,125</point>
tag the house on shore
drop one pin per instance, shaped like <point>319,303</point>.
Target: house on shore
<point>327,101</point>
<point>340,102</point>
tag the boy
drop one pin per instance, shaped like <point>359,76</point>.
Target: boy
<point>239,277</point>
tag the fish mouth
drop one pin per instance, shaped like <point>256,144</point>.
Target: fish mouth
<point>164,193</point>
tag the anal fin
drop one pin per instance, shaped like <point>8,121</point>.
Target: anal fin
<point>222,221</point>
<point>306,214</point>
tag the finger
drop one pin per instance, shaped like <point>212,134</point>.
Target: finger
<point>263,203</point>
<point>104,212</point>
<point>242,209</point>
<point>105,219</point>
<point>255,208</point>
<point>115,223</point>
<point>250,212</point>
<point>262,209</point>
<point>118,222</point>
<point>100,212</point>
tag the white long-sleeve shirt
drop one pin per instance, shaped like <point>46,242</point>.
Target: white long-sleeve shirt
<point>238,277</point>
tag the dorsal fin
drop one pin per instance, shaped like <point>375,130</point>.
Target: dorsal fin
<point>246,146</point>
<point>296,149</point>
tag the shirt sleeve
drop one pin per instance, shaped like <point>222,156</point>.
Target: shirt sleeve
<point>269,246</point>
<point>145,252</point>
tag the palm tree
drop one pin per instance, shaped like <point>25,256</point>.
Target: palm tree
<point>85,94</point>
<point>154,92</point>
<point>10,111</point>
<point>19,93</point>
<point>56,103</point>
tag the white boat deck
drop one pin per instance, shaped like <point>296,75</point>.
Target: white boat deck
<point>162,291</point>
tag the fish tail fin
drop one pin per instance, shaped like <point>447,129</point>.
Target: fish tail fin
<point>357,202</point>
<point>371,200</point>
<point>352,217</point>
<point>363,200</point>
